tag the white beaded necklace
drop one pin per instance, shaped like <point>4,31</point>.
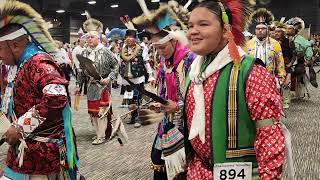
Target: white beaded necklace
<point>9,89</point>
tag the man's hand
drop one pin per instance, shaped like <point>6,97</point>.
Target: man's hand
<point>308,63</point>
<point>170,107</point>
<point>105,81</point>
<point>77,90</point>
<point>287,80</point>
<point>13,135</point>
<point>281,80</point>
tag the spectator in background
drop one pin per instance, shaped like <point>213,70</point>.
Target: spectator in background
<point>104,40</point>
<point>80,75</point>
<point>115,49</point>
<point>63,60</point>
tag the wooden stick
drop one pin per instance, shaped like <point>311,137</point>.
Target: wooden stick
<point>130,111</point>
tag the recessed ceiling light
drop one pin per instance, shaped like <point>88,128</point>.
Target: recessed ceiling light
<point>92,2</point>
<point>114,6</point>
<point>155,1</point>
<point>60,11</point>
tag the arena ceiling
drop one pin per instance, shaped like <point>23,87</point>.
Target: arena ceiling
<point>71,20</point>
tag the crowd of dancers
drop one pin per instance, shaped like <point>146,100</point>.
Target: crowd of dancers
<point>220,91</point>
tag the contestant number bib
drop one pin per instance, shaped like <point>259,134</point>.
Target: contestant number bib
<point>235,171</point>
<point>128,95</point>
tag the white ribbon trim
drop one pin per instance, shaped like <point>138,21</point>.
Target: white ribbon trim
<point>91,33</point>
<point>177,35</point>
<point>9,90</point>
<point>13,35</point>
<point>165,39</point>
<point>198,120</point>
<point>22,147</point>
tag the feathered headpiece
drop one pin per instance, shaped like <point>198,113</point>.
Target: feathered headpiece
<point>168,17</point>
<point>15,12</point>
<point>297,23</point>
<point>240,11</point>
<point>262,16</point>
<point>92,26</point>
<point>281,24</point>
<point>116,34</point>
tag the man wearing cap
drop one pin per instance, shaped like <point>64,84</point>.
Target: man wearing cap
<point>41,139</point>
<point>99,104</point>
<point>287,50</point>
<point>303,53</point>
<point>135,67</point>
<point>267,49</point>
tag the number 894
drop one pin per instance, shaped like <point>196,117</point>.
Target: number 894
<point>231,174</point>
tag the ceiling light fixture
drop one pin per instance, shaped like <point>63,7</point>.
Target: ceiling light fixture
<point>114,6</point>
<point>92,2</point>
<point>60,11</point>
<point>155,1</point>
<point>83,14</point>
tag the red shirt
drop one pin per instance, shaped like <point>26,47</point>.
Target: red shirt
<point>33,76</point>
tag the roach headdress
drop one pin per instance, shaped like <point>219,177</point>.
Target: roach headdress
<point>31,22</point>
<point>297,23</point>
<point>93,26</point>
<point>280,24</point>
<point>262,16</point>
